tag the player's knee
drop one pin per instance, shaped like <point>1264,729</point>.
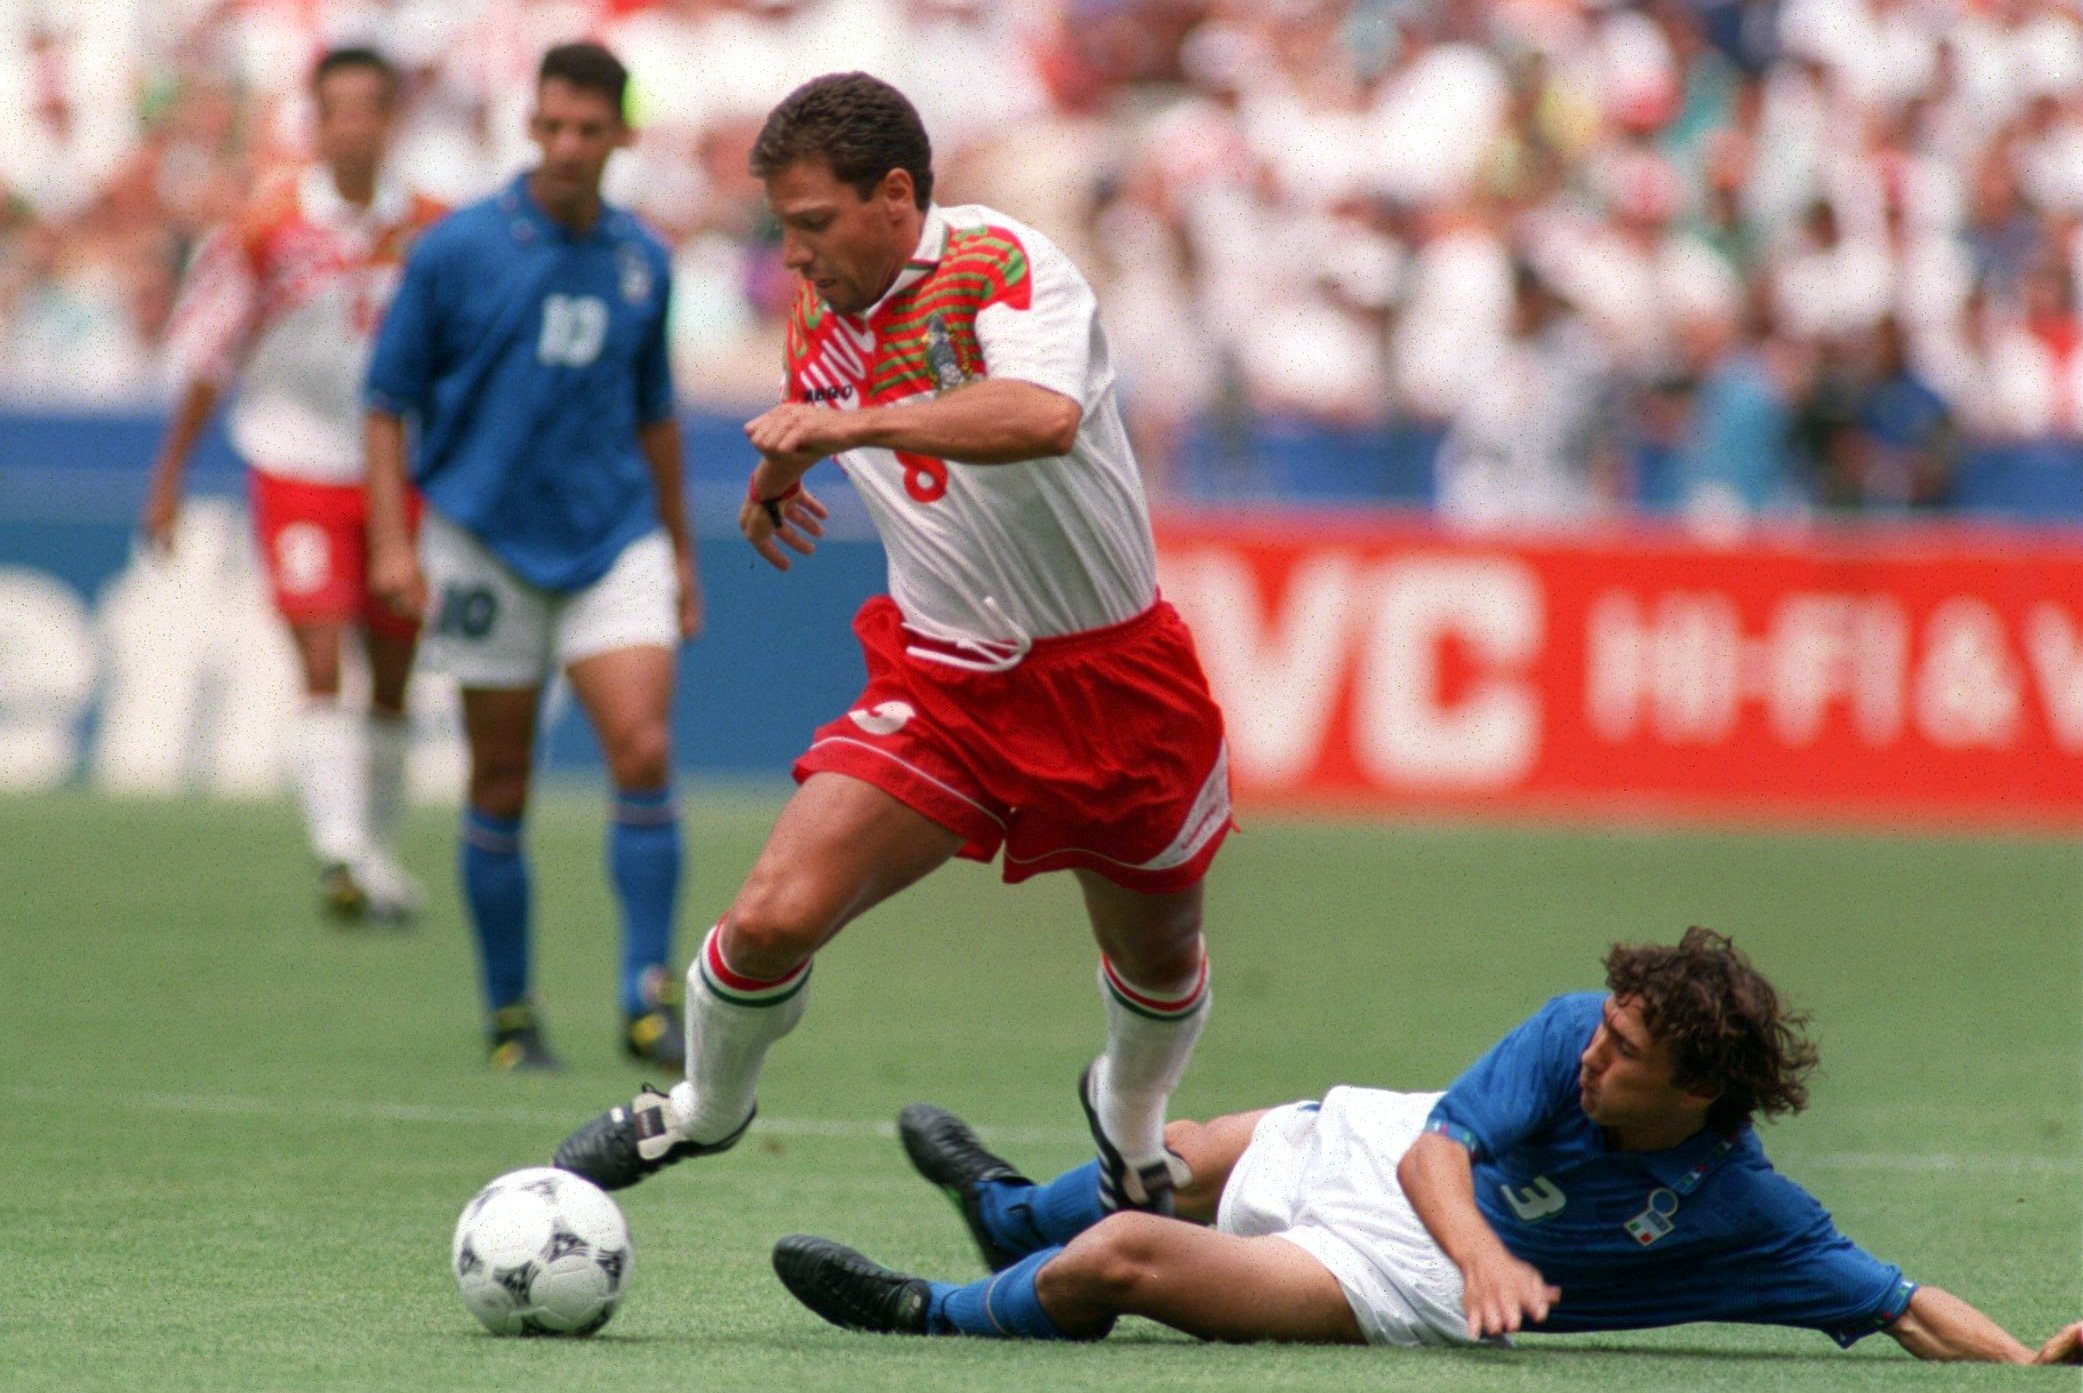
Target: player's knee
<point>1111,1264</point>
<point>640,755</point>
<point>773,927</point>
<point>1162,957</point>
<point>499,784</point>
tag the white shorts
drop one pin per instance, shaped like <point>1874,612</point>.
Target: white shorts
<point>1323,1177</point>
<point>487,627</point>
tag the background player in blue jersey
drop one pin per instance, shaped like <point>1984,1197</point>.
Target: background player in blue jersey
<point>1596,1170</point>
<point>528,340</point>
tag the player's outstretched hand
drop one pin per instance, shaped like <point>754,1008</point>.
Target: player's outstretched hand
<point>396,579</point>
<point>2065,1348</point>
<point>802,522</point>
<point>1501,1293</point>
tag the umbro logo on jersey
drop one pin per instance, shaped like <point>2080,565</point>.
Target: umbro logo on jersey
<point>815,396</point>
<point>885,718</point>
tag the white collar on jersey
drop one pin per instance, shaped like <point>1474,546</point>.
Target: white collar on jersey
<point>319,200</point>
<point>932,246</point>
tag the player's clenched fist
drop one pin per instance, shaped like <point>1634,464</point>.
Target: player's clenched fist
<point>396,579</point>
<point>795,520</point>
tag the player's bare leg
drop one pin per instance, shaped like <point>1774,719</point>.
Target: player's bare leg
<point>1213,1285</point>
<point>393,894</point>
<point>331,782</point>
<point>628,695</point>
<point>499,724</point>
<point>840,847</point>
<point>1154,983</point>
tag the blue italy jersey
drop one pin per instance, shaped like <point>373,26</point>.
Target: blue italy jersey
<point>1704,1231</point>
<point>531,355</point>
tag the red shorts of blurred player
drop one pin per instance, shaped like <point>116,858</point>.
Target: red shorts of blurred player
<point>1100,750</point>
<point>314,542</point>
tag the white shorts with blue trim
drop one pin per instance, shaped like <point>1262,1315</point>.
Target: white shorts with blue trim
<point>1323,1177</point>
<point>487,627</point>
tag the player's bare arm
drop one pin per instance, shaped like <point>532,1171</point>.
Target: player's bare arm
<point>394,569</point>
<point>660,441</point>
<point>996,421</point>
<point>163,494</point>
<point>1500,1292</point>
<point>1939,1325</point>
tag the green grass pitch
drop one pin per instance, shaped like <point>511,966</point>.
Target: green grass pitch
<point>233,1140</point>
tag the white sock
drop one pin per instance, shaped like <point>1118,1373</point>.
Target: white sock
<point>332,782</point>
<point>731,1020</point>
<point>1150,1036</point>
<point>389,740</point>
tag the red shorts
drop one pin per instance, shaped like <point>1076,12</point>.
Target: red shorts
<point>314,543</point>
<point>1101,749</point>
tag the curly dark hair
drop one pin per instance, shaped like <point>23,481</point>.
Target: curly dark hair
<point>1723,1022</point>
<point>590,67</point>
<point>860,126</point>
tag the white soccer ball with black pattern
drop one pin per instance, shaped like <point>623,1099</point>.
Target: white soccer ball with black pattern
<point>541,1252</point>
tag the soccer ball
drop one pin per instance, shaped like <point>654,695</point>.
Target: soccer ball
<point>541,1252</point>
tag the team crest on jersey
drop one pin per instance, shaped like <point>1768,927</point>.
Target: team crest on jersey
<point>1655,1220</point>
<point>940,355</point>
<point>636,274</point>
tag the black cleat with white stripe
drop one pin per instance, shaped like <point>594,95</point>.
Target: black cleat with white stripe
<point>1121,1186</point>
<point>624,1144</point>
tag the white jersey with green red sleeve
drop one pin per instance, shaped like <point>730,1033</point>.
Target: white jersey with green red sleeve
<point>284,304</point>
<point>1000,553</point>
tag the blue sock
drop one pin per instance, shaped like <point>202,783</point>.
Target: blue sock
<point>644,864</point>
<point>1022,1218</point>
<point>1002,1306</point>
<point>495,888</point>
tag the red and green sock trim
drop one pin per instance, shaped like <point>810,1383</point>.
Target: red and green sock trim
<point>1150,1004</point>
<point>736,987</point>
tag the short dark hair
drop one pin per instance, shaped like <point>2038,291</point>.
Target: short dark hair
<point>860,126</point>
<point>1722,1022</point>
<point>336,60</point>
<point>590,67</point>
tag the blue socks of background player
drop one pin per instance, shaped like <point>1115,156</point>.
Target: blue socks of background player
<point>644,866</point>
<point>1023,1218</point>
<point>1004,1305</point>
<point>495,886</point>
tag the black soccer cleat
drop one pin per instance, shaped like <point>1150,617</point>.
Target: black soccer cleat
<point>517,1042</point>
<point>1147,1188</point>
<point>624,1144</point>
<point>948,1154</point>
<point>848,1290</point>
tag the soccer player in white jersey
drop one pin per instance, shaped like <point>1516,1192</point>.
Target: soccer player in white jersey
<point>1028,691</point>
<point>285,302</point>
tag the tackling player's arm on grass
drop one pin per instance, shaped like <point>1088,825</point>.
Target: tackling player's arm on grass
<point>1498,1291</point>
<point>1504,1098</point>
<point>1939,1325</point>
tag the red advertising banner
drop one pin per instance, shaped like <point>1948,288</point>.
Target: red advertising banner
<point>1902,676</point>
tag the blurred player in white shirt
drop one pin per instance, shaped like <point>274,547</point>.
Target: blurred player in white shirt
<point>1028,690</point>
<point>284,304</point>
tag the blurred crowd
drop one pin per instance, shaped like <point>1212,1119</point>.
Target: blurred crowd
<point>1729,256</point>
